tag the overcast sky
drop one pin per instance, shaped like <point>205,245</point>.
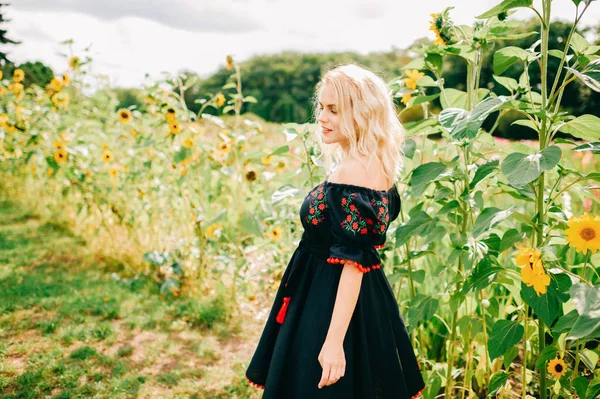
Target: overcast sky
<point>132,37</point>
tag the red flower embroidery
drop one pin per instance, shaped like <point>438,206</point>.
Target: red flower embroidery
<point>316,206</point>
<point>383,217</point>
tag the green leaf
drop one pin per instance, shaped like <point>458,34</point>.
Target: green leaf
<point>416,225</point>
<point>565,323</point>
<point>462,124</point>
<point>497,382</point>
<point>182,154</point>
<point>587,303</point>
<point>593,147</point>
<point>505,334</point>
<point>586,127</point>
<point>590,77</point>
<point>409,146</point>
<point>589,358</point>
<point>593,390</point>
<point>489,218</point>
<point>580,384</point>
<point>435,62</point>
<point>507,56</point>
<point>546,306</point>
<point>453,98</point>
<point>483,171</point>
<point>423,175</point>
<point>482,275</point>
<point>417,63</point>
<point>505,6</point>
<point>509,83</point>
<point>422,99</point>
<point>527,123</point>
<point>521,169</point>
<point>421,308</point>
<point>510,238</point>
<point>547,354</point>
<point>579,43</point>
<point>251,225</point>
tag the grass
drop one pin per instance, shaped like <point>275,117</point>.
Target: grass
<point>70,330</point>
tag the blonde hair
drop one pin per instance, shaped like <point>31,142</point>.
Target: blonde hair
<point>368,118</point>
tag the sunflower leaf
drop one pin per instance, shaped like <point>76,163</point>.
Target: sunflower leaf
<point>587,303</point>
<point>505,334</point>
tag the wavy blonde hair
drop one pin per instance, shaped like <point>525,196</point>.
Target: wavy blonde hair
<point>368,118</point>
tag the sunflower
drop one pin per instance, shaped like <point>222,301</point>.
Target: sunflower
<point>16,88</point>
<point>18,75</point>
<point>188,143</point>
<point>557,368</point>
<point>174,128</point>
<point>170,115</point>
<point>413,76</point>
<point>583,233</point>
<point>125,116</point>
<point>134,132</point>
<point>275,234</point>
<point>220,100</point>
<point>532,271</point>
<point>50,171</point>
<point>60,155</point>
<point>436,27</point>
<point>229,63</point>
<point>1,75</point>
<point>59,145</point>
<point>114,172</point>
<point>60,99</point>
<point>56,84</point>
<point>266,160</point>
<point>280,167</point>
<point>251,175</point>
<point>74,63</point>
<point>224,147</point>
<point>406,98</point>
<point>107,156</point>
<point>214,231</point>
<point>66,79</point>
<point>3,120</point>
<point>104,146</point>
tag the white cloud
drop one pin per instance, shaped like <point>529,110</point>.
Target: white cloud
<point>128,41</point>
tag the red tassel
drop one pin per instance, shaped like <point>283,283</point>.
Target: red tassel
<point>283,310</point>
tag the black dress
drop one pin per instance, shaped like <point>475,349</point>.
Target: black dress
<point>341,222</point>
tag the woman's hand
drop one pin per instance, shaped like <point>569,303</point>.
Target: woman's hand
<point>333,362</point>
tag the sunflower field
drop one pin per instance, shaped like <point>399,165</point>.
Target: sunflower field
<point>494,261</point>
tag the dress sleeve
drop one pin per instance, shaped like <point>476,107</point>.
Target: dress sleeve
<point>359,222</point>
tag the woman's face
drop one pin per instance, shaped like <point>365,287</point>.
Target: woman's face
<point>329,117</point>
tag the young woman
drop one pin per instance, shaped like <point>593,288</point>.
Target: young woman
<point>335,330</point>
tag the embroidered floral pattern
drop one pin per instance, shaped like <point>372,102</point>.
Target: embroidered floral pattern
<point>383,216</point>
<point>316,206</point>
<point>353,221</point>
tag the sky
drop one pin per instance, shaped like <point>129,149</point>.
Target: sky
<point>130,38</point>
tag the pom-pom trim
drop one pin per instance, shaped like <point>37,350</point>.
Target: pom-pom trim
<point>363,269</point>
<point>254,384</point>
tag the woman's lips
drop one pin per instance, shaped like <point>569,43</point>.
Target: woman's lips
<point>325,130</point>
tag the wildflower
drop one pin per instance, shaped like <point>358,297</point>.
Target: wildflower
<point>436,27</point>
<point>224,147</point>
<point>532,271</point>
<point>170,115</point>
<point>220,100</point>
<point>56,84</point>
<point>66,80</point>
<point>214,231</point>
<point>275,234</point>
<point>107,156</point>
<point>114,172</point>
<point>413,77</point>
<point>583,233</point>
<point>60,155</point>
<point>125,116</point>
<point>18,75</point>
<point>74,63</point>
<point>174,128</point>
<point>557,368</point>
<point>60,99</point>
<point>59,145</point>
<point>251,175</point>
<point>134,132</point>
<point>280,167</point>
<point>406,98</point>
<point>188,143</point>
<point>229,63</point>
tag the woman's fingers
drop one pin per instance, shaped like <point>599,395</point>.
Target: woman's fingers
<point>325,376</point>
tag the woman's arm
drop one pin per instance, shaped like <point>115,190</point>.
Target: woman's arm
<point>345,302</point>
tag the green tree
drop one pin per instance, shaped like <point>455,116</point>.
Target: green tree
<point>35,73</point>
<point>3,39</point>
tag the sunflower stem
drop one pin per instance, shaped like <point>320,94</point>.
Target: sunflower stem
<point>524,365</point>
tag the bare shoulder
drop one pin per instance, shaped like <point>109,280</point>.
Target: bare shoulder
<point>354,173</point>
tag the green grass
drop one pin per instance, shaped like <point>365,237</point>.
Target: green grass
<point>70,330</point>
